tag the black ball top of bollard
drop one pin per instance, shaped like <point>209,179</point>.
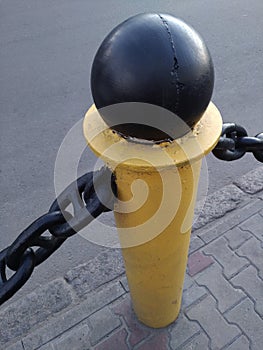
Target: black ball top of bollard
<point>155,59</point>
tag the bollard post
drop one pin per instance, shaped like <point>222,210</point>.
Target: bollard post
<point>152,123</point>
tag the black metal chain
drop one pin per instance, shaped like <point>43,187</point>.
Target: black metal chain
<point>90,195</point>
<point>234,143</point>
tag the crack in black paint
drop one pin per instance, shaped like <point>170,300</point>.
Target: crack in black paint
<point>174,70</point>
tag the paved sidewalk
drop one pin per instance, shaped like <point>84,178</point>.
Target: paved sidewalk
<point>222,308</point>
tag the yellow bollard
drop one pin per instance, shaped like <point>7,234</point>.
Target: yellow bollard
<point>152,80</point>
<point>155,236</point>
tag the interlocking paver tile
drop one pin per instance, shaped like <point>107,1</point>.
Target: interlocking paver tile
<point>214,324</point>
<point>102,323</point>
<point>236,237</point>
<point>231,263</point>
<point>188,281</point>
<point>253,250</point>
<point>199,342</point>
<point>195,244</point>
<point>222,290</point>
<point>115,341</point>
<point>249,321</point>
<point>77,339</point>
<point>254,225</point>
<point>240,343</point>
<point>137,331</point>
<point>182,330</point>
<point>198,262</point>
<point>192,295</point>
<point>252,285</point>
<point>158,342</point>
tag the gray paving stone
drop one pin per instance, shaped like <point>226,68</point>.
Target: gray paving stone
<point>191,292</point>
<point>199,342</point>
<point>251,182</point>
<point>58,325</point>
<point>218,204</point>
<point>252,285</point>
<point>104,268</point>
<point>16,346</point>
<point>253,250</point>
<point>48,346</point>
<point>182,330</point>
<point>221,289</point>
<point>188,282</point>
<point>231,263</point>
<point>19,317</point>
<point>240,343</point>
<point>77,339</point>
<point>192,295</point>
<point>218,329</point>
<point>254,225</point>
<point>236,237</point>
<point>195,244</point>
<point>210,234</point>
<point>102,323</point>
<point>249,321</point>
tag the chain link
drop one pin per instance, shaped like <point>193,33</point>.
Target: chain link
<point>234,143</point>
<point>90,195</point>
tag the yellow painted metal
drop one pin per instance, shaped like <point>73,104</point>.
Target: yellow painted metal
<point>157,187</point>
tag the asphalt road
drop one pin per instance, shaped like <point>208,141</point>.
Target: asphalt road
<point>46,51</point>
